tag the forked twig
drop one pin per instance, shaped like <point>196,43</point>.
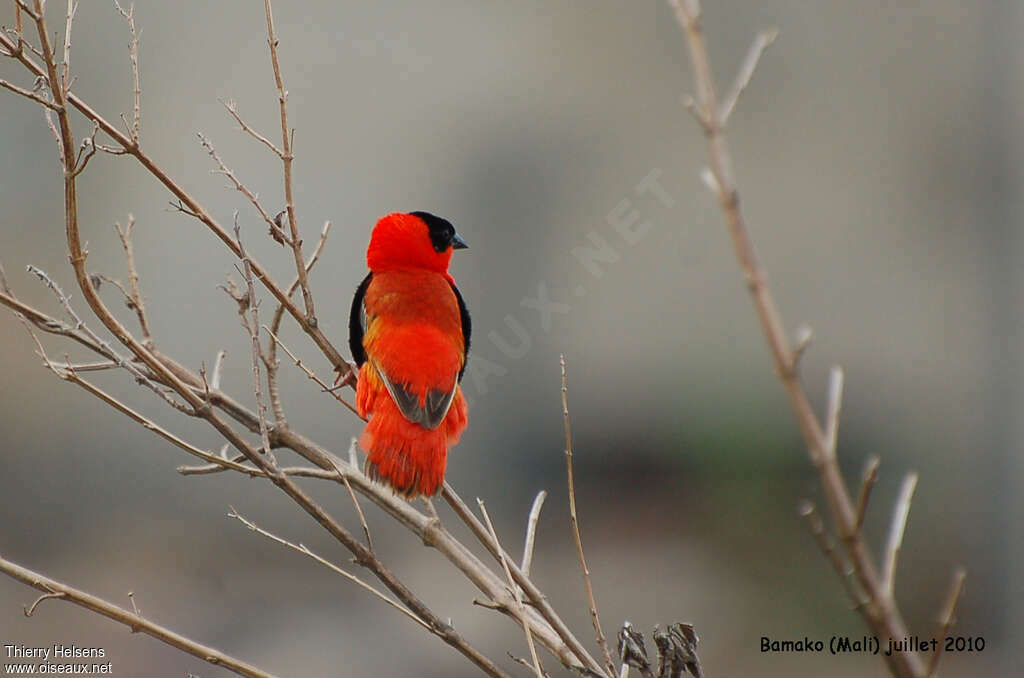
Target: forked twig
<point>232,108</point>
<point>574,520</point>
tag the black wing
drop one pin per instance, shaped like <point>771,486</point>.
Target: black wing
<point>356,320</point>
<point>467,329</point>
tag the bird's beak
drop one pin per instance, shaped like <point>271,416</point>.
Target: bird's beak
<point>458,243</point>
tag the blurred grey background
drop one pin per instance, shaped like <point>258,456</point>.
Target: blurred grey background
<point>877,151</point>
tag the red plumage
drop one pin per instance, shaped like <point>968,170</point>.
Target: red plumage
<point>409,330</point>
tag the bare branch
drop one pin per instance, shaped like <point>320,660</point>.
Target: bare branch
<point>537,598</point>
<point>803,337</point>
<point>883,615</point>
<point>137,303</point>
<point>835,406</point>
<point>828,549</point>
<point>515,590</point>
<point>896,530</point>
<point>233,110</point>
<point>868,480</point>
<point>218,368</point>
<point>275,325</point>
<point>184,201</point>
<point>257,351</point>
<point>84,335</point>
<point>304,550</point>
<point>275,230</point>
<point>68,373</point>
<point>31,609</point>
<point>355,501</point>
<point>69,19</point>
<point>309,373</point>
<point>52,588</point>
<point>287,137</point>
<point>574,520</point>
<point>133,50</point>
<point>746,72</point>
<point>947,620</point>
<point>29,95</point>
<point>531,531</point>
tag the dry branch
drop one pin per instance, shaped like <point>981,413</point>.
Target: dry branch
<point>52,588</point>
<point>879,609</point>
<point>574,521</point>
<point>287,137</point>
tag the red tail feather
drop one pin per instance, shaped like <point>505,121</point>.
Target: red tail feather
<point>409,458</point>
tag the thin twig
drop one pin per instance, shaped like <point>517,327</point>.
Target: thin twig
<point>515,589</point>
<point>746,72</point>
<point>828,548</point>
<point>275,328</point>
<point>531,531</point>
<point>52,588</point>
<point>896,530</point>
<point>218,369</point>
<point>574,521</point>
<point>30,610</point>
<point>355,501</point>
<point>86,336</point>
<point>69,19</point>
<point>18,29</point>
<point>254,199</point>
<point>309,373</point>
<point>526,662</point>
<point>867,483</point>
<point>835,406</point>
<point>304,550</point>
<point>69,373</point>
<point>804,334</point>
<point>257,351</point>
<point>29,95</point>
<point>947,620</point>
<point>133,50</point>
<point>233,110</point>
<point>287,156</point>
<point>138,305</point>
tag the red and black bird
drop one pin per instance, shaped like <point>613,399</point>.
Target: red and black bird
<point>409,334</point>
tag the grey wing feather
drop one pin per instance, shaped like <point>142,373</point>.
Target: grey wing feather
<point>429,417</point>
